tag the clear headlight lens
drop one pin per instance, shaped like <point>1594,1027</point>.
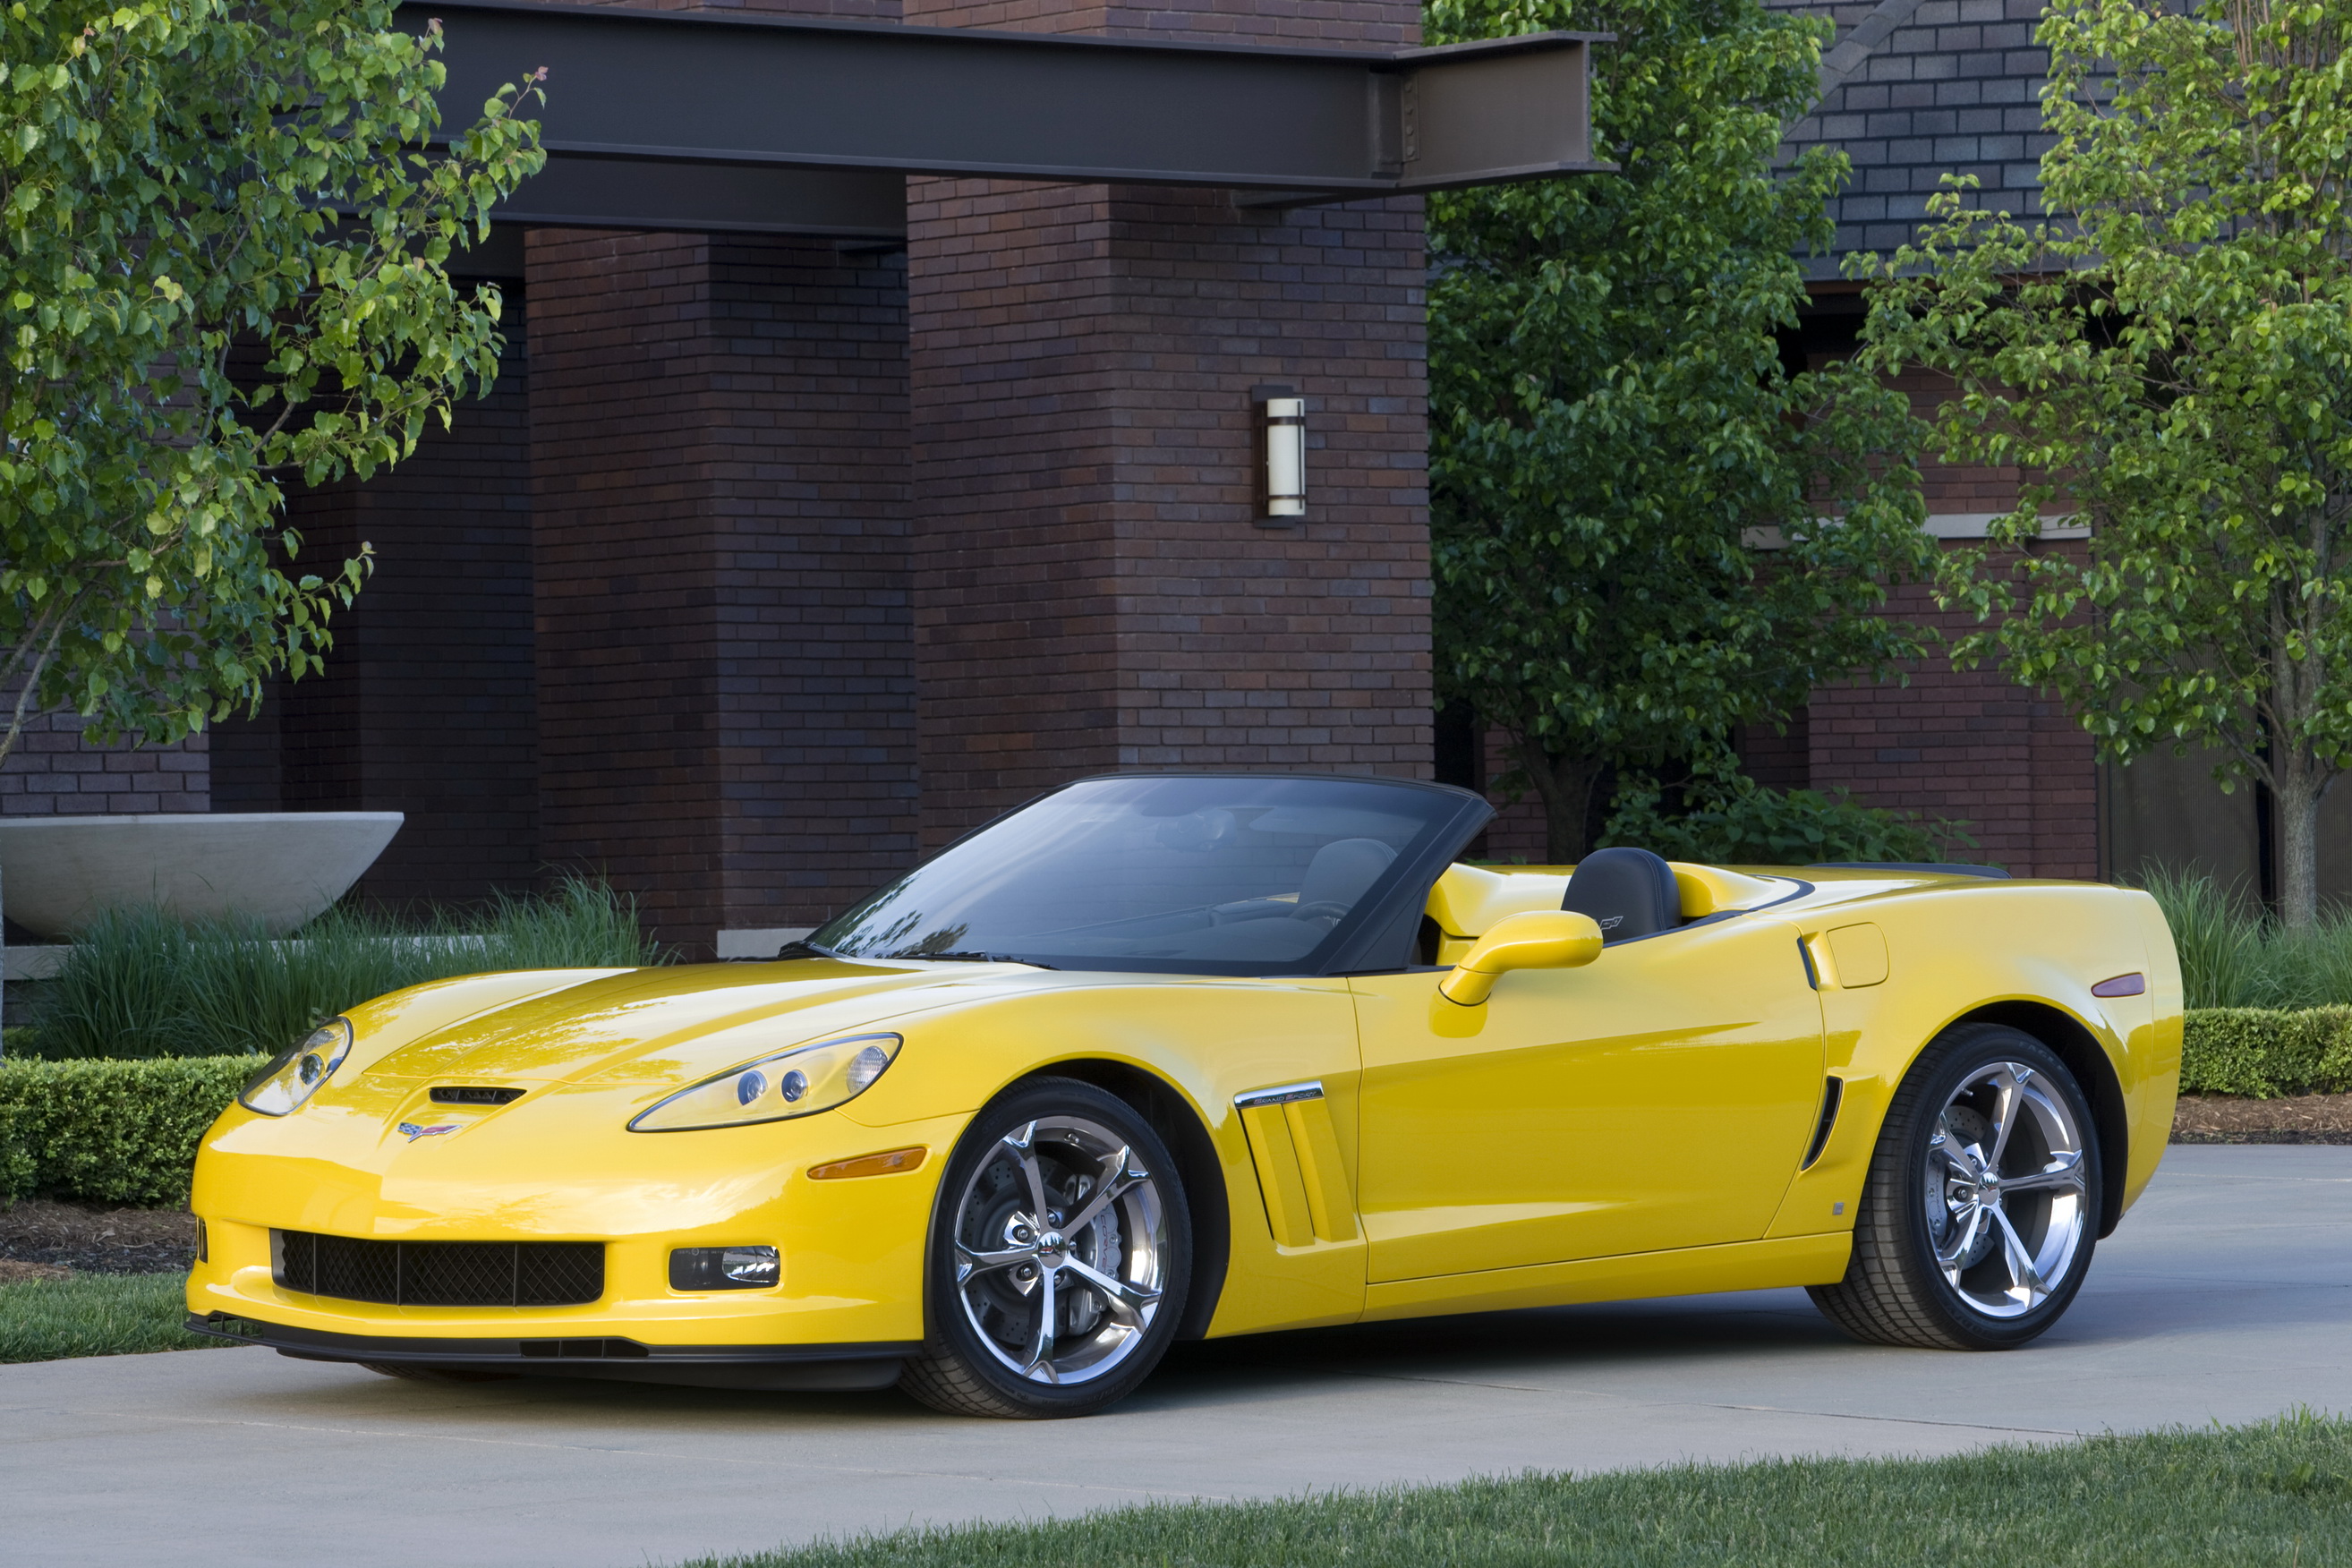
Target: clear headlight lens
<point>798,1082</point>
<point>295,1074</point>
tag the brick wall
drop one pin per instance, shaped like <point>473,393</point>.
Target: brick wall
<point>1966,746</point>
<point>55,771</point>
<point>1970,746</point>
<point>1090,589</point>
<point>718,439</point>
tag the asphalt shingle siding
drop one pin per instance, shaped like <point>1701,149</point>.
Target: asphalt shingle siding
<point>1954,87</point>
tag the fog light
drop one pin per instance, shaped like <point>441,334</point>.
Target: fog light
<point>724,1268</point>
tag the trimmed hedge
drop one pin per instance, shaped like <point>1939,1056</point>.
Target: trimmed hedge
<point>111,1132</point>
<point>2261,1053</point>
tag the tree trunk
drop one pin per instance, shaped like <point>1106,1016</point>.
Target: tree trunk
<point>1564,785</point>
<point>2297,796</point>
<point>2298,779</point>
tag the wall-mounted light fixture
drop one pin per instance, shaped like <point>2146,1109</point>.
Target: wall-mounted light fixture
<point>1282,444</point>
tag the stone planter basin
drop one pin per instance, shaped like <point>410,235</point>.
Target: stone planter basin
<point>279,867</point>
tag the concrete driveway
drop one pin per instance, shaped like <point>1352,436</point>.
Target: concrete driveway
<point>2226,1296</point>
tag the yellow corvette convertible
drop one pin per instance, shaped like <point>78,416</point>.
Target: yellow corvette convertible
<point>1170,1054</point>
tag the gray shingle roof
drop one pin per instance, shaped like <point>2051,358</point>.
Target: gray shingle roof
<point>1916,88</point>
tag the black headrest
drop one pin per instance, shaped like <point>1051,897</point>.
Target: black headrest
<point>1630,892</point>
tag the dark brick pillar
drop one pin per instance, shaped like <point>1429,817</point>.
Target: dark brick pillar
<point>1090,589</point>
<point>725,703</point>
<point>424,706</point>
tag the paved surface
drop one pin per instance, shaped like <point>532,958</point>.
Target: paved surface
<point>2226,1294</point>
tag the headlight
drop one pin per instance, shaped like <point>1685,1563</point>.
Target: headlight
<point>798,1082</point>
<point>296,1073</point>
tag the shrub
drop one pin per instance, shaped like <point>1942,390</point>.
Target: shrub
<point>1746,823</point>
<point>2263,1053</point>
<point>138,984</point>
<point>111,1132</point>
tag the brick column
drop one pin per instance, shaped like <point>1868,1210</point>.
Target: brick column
<point>424,706</point>
<point>1090,589</point>
<point>718,451</point>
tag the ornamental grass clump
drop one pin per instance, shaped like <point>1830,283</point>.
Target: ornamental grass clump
<point>140,983</point>
<point>2232,956</point>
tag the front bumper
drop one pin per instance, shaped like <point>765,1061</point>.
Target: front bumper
<point>852,1249</point>
<point>786,1367</point>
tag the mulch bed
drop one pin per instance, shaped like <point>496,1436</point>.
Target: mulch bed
<point>2295,1119</point>
<point>94,1238</point>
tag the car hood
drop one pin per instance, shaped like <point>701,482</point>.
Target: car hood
<point>680,1025</point>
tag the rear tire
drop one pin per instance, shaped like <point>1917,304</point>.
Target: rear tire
<point>1060,1252</point>
<point>1981,1210</point>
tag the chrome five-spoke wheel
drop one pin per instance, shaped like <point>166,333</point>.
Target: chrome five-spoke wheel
<point>1980,1207</point>
<point>2004,1188</point>
<point>1060,1259</point>
<point>1060,1242</point>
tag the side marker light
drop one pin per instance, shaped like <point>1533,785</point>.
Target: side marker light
<point>890,1164</point>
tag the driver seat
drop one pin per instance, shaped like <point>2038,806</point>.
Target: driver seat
<point>1342,871</point>
<point>1628,892</point>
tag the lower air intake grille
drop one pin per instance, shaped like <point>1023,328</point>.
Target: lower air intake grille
<point>440,1273</point>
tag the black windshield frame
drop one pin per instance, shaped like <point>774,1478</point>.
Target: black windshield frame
<point>1377,935</point>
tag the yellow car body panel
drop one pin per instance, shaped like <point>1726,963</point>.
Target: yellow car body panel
<point>1644,1125</point>
<point>1588,1112</point>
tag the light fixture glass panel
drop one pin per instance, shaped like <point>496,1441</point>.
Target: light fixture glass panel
<point>1286,457</point>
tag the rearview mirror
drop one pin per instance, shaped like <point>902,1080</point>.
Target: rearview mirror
<point>1539,939</point>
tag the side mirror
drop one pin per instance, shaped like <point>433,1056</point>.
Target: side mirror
<point>1539,939</point>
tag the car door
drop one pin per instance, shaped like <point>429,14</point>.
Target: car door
<point>1661,1097</point>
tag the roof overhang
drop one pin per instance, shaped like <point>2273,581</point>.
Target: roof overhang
<point>768,124</point>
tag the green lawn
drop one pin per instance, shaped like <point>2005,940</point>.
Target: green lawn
<point>95,1314</point>
<point>2279,1493</point>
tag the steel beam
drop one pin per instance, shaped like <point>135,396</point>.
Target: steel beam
<point>700,119</point>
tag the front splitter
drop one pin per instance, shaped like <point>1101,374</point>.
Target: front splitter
<point>776,1367</point>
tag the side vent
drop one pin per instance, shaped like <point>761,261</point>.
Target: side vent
<point>469,1094</point>
<point>1832,1091</point>
<point>1299,1173</point>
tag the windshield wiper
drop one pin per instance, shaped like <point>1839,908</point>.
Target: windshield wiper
<point>801,950</point>
<point>978,958</point>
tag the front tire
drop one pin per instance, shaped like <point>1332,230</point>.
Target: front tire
<point>1981,1210</point>
<point>1061,1247</point>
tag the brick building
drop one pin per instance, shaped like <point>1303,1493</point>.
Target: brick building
<point>772,562</point>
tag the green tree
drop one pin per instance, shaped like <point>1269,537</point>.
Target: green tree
<point>225,245</point>
<point>2169,356</point>
<point>1615,440</point>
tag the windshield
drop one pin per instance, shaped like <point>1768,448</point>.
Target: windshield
<point>1206,874</point>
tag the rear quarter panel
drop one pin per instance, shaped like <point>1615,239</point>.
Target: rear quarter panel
<point>1962,950</point>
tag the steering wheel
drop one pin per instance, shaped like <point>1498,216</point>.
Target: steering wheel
<point>1322,909</point>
